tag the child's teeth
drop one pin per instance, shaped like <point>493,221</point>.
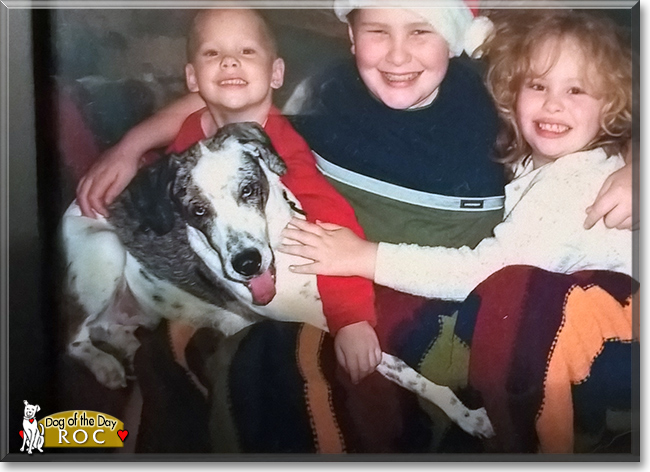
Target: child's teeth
<point>401,77</point>
<point>233,82</point>
<point>555,128</point>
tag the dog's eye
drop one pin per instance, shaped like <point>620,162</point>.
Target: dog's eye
<point>248,190</point>
<point>198,210</point>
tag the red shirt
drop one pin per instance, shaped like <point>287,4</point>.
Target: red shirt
<point>346,300</point>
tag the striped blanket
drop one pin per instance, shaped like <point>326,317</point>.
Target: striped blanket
<point>551,357</point>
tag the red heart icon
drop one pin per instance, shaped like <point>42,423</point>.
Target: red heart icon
<point>122,434</point>
<point>22,434</point>
<point>31,420</point>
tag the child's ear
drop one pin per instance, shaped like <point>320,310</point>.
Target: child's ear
<point>190,78</point>
<point>277,77</point>
<point>351,35</point>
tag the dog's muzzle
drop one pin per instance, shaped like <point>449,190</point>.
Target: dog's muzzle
<point>262,286</point>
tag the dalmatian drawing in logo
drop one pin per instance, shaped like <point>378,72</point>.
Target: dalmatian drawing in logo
<point>33,438</point>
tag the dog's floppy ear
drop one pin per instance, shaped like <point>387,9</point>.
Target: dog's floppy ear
<point>150,191</point>
<point>253,136</point>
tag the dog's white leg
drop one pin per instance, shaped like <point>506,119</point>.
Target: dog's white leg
<point>107,369</point>
<point>121,339</point>
<point>30,443</point>
<point>475,422</point>
<point>96,260</point>
<point>124,338</point>
<point>94,277</point>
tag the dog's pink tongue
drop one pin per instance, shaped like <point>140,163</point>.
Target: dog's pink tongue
<point>262,288</point>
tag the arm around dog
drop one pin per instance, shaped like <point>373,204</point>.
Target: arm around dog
<point>119,164</point>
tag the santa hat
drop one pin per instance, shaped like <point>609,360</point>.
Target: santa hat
<point>454,20</point>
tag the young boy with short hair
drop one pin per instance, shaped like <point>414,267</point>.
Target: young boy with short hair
<point>234,67</point>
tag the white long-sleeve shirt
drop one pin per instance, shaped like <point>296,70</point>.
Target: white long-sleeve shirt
<point>542,227</point>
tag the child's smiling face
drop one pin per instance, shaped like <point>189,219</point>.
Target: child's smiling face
<point>400,57</point>
<point>558,110</point>
<point>234,67</point>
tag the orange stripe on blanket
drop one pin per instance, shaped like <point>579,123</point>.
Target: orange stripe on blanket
<point>318,395</point>
<point>591,317</point>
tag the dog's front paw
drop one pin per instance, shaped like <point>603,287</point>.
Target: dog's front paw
<point>476,423</point>
<point>109,372</point>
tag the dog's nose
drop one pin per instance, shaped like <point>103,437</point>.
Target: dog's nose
<point>247,262</point>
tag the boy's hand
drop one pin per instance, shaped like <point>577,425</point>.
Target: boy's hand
<point>334,249</point>
<point>105,181</point>
<point>614,201</point>
<point>357,350</point>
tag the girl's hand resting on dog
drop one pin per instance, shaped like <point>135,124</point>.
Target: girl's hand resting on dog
<point>334,249</point>
<point>357,349</point>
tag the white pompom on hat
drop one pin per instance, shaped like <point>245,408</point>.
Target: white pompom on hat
<point>452,19</point>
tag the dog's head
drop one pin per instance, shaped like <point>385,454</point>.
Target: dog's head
<point>220,187</point>
<point>30,410</point>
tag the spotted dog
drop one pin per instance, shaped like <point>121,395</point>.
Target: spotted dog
<point>192,238</point>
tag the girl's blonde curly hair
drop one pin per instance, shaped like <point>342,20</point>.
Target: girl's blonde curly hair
<point>510,50</point>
